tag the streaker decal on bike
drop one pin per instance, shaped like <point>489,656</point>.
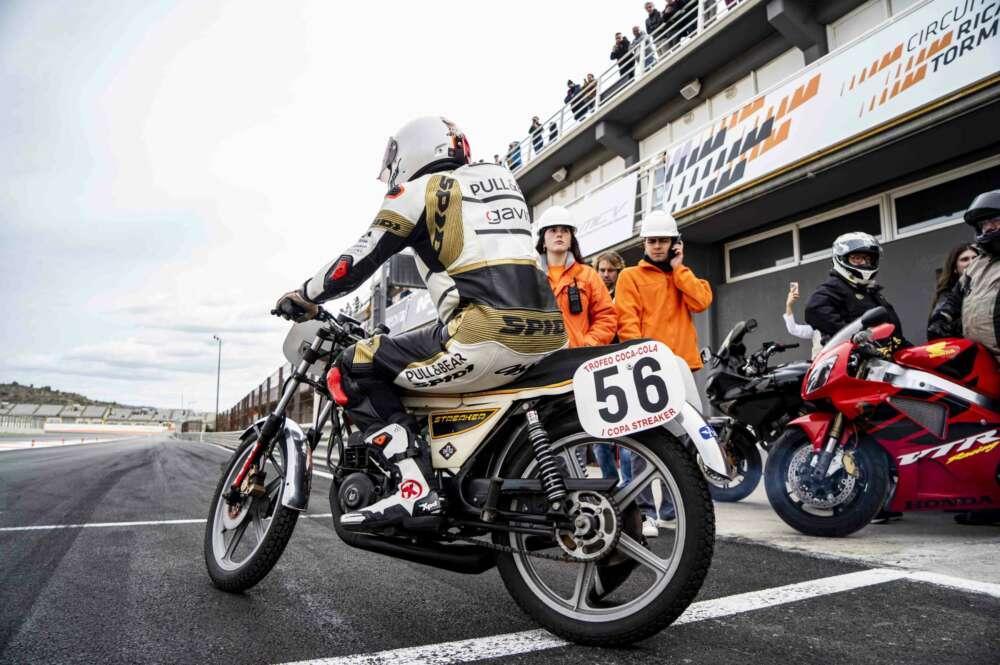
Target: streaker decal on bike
<point>450,423</point>
<point>629,390</point>
<point>945,448</point>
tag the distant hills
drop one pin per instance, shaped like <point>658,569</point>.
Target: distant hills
<point>28,394</point>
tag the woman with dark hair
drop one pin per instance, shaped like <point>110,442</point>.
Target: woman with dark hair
<point>585,303</point>
<point>955,264</point>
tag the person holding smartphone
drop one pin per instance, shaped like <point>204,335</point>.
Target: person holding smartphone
<point>655,300</point>
<point>796,329</point>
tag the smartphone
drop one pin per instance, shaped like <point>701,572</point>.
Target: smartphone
<point>794,287</point>
<point>674,250</point>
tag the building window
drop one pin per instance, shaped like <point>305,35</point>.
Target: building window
<point>659,187</point>
<point>942,203</point>
<point>816,240</point>
<point>760,255</point>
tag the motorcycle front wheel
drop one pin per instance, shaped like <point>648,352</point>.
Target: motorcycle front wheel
<point>745,459</point>
<point>837,506</point>
<point>643,583</point>
<point>242,545</point>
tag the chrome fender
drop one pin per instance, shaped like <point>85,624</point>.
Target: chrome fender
<point>298,463</point>
<point>691,424</point>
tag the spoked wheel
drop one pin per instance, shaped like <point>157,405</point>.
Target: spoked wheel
<point>840,504</point>
<point>618,587</point>
<point>242,543</point>
<point>747,465</point>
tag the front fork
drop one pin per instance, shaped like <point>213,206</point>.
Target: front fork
<point>266,435</point>
<point>829,448</point>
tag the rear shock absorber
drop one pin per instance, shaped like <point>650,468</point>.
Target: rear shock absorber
<point>552,479</point>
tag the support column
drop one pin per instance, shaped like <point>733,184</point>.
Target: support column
<point>618,140</point>
<point>794,20</point>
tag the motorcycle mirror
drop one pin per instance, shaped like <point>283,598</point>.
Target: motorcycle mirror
<point>883,331</point>
<point>751,325</point>
<point>874,317</point>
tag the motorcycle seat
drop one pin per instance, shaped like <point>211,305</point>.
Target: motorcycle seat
<point>553,375</point>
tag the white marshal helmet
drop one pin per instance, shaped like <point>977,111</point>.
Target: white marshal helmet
<point>556,216</point>
<point>659,224</point>
<point>856,242</point>
<point>423,145</point>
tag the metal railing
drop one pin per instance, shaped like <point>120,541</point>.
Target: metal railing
<point>672,36</point>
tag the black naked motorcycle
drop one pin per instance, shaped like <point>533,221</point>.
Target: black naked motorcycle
<point>569,548</point>
<point>758,400</point>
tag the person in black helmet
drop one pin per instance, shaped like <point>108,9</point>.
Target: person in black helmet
<point>851,289</point>
<point>972,308</point>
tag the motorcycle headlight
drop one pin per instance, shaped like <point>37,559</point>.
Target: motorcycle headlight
<point>819,375</point>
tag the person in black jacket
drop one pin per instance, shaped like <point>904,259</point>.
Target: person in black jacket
<point>537,134</point>
<point>620,52</point>
<point>851,289</point>
<point>572,91</point>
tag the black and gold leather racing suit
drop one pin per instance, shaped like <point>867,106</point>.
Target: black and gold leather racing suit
<point>470,230</point>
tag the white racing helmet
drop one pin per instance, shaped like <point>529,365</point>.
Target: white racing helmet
<point>659,224</point>
<point>423,145</point>
<point>849,243</point>
<point>556,216</point>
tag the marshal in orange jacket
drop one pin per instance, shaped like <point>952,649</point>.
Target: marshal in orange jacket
<point>596,323</point>
<point>657,305</point>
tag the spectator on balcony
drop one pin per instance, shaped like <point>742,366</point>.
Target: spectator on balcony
<point>497,160</point>
<point>622,54</point>
<point>536,131</point>
<point>588,95</point>
<point>654,26</point>
<point>553,131</point>
<point>573,99</point>
<point>514,155</point>
<point>643,47</point>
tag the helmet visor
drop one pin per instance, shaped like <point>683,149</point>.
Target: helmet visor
<point>388,159</point>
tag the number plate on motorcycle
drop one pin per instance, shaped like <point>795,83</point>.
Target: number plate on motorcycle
<point>628,390</point>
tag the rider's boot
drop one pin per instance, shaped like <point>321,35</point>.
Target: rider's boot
<point>407,458</point>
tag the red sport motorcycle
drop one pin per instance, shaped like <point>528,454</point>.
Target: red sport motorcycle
<point>925,418</point>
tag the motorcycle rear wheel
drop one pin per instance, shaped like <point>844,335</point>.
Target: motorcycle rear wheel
<point>240,556</point>
<point>800,512</point>
<point>588,603</point>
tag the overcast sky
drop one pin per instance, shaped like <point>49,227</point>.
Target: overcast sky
<point>169,168</point>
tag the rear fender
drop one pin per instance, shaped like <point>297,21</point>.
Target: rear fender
<point>298,464</point>
<point>690,423</point>
<point>815,426</point>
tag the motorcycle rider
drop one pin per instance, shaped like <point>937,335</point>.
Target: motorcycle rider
<point>972,308</point>
<point>851,289</point>
<point>469,227</point>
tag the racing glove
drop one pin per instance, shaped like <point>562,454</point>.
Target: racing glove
<point>293,306</point>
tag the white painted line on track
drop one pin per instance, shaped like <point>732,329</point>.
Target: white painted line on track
<point>986,588</point>
<point>499,646</point>
<point>99,525</point>
<point>790,593</point>
<point>105,525</point>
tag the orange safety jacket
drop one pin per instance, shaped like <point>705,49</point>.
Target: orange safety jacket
<point>597,321</point>
<point>657,305</point>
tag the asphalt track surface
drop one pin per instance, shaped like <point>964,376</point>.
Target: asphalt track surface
<point>140,594</point>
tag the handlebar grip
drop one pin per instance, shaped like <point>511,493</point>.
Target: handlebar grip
<point>791,346</point>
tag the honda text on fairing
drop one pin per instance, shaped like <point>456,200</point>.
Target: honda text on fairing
<point>758,400</point>
<point>512,491</point>
<point>926,415</point>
